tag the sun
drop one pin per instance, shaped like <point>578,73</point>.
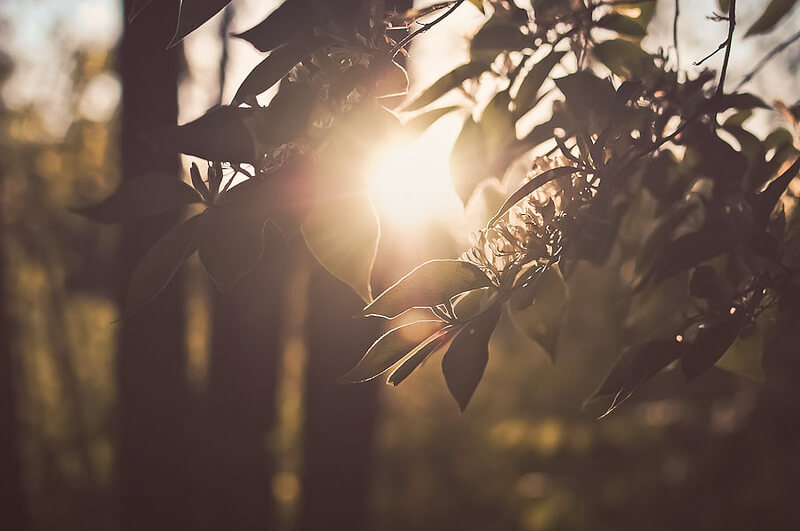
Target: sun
<point>410,181</point>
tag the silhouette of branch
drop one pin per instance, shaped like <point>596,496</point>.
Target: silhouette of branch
<point>424,28</point>
<point>675,34</point>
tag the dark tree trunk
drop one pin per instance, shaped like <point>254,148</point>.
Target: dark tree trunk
<point>13,505</point>
<point>245,353</point>
<point>153,397</point>
<point>340,419</point>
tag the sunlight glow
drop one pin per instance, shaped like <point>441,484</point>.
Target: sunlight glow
<point>410,182</point>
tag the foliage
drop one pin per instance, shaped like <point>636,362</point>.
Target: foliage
<point>627,131</point>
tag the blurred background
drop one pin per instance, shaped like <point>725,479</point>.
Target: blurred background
<point>241,424</point>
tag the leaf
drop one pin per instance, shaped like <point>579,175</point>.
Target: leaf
<point>705,283</point>
<point>232,236</point>
<point>636,366</point>
<point>141,197</point>
<point>464,362</point>
<point>428,285</point>
<point>529,187</point>
<point>529,88</point>
<point>737,100</point>
<point>691,249</point>
<point>707,342</point>
<point>293,19</point>
<point>272,69</point>
<point>624,58</point>
<point>541,320</point>
<point>390,348</point>
<point>193,14</point>
<point>469,159</point>
<point>160,263</point>
<point>774,13</point>
<point>432,346</point>
<point>586,94</point>
<point>446,83</point>
<point>420,123</point>
<point>495,37</point>
<point>221,134</point>
<point>744,355</point>
<point>622,25</point>
<point>342,234</point>
<point>765,201</point>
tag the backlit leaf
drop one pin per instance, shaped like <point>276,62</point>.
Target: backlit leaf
<point>420,123</point>
<point>160,263</point>
<point>624,58</point>
<point>464,362</point>
<point>526,96</point>
<point>541,320</point>
<point>448,82</point>
<point>707,342</point>
<point>342,234</point>
<point>430,284</point>
<point>622,25</point>
<point>144,196</point>
<point>293,19</point>
<point>438,342</point>
<point>221,134</point>
<point>390,348</point>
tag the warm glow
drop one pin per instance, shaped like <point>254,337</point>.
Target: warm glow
<point>410,182</point>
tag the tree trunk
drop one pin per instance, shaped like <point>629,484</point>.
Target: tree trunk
<point>340,419</point>
<point>153,400</point>
<point>246,349</point>
<point>13,505</point>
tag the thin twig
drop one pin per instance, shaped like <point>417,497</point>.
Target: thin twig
<point>767,58</point>
<point>425,28</point>
<point>728,46</point>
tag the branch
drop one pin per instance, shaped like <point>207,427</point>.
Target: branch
<point>767,58</point>
<point>675,34</point>
<point>728,45</point>
<point>424,28</point>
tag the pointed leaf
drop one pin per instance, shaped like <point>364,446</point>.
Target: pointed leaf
<point>343,234</point>
<point>541,320</point>
<point>390,348</point>
<point>464,362</point>
<point>621,24</point>
<point>529,187</point>
<point>221,134</point>
<point>430,284</point>
<point>193,14</point>
<point>447,82</point>
<point>438,342</point>
<point>478,4</point>
<point>144,196</point>
<point>772,15</point>
<point>624,58</point>
<point>469,159</point>
<point>272,69</point>
<point>526,96</point>
<point>707,342</point>
<point>160,263</point>
<point>420,123</point>
<point>232,236</point>
<point>292,20</point>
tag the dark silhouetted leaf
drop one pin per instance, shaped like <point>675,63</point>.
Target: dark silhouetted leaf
<point>342,234</point>
<point>528,188</point>
<point>272,69</point>
<point>737,100</point>
<point>635,367</point>
<point>622,25</point>
<point>772,15</point>
<point>193,14</point>
<point>144,196</point>
<point>221,134</point>
<point>707,341</point>
<point>691,249</point>
<point>586,94</point>
<point>624,58</point>
<point>498,36</point>
<point>744,355</point>
<point>293,19</point>
<point>765,202</point>
<point>705,282</point>
<point>160,263</point>
<point>390,348</point>
<point>428,285</point>
<point>464,362</point>
<point>526,96</point>
<point>232,236</point>
<point>438,342</point>
<point>448,82</point>
<point>541,320</point>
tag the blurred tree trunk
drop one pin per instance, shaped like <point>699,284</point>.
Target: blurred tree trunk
<point>240,408</point>
<point>153,397</point>
<point>13,505</point>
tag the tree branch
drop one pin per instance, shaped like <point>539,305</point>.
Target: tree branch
<point>424,28</point>
<point>767,58</point>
